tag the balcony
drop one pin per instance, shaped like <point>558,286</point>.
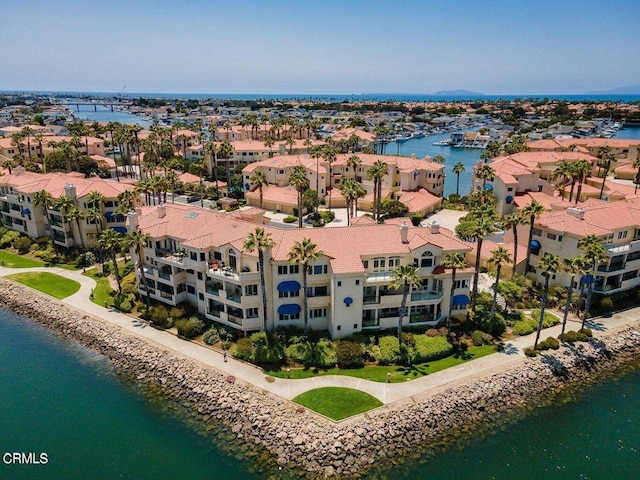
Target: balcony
<point>626,247</point>
<point>368,300</point>
<point>227,273</point>
<point>166,295</point>
<point>420,296</point>
<point>614,267</point>
<point>234,319</point>
<point>422,318</point>
<point>378,277</point>
<point>234,297</point>
<point>168,256</point>
<point>164,275</point>
<point>606,288</point>
<point>210,289</point>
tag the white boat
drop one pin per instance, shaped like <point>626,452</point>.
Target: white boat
<point>402,138</point>
<point>445,142</point>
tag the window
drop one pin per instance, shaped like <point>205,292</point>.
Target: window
<point>191,289</point>
<point>339,327</point>
<point>355,326</point>
<point>319,269</point>
<point>462,283</point>
<point>318,313</point>
<point>379,264</point>
<point>251,290</point>
<point>357,282</point>
<point>622,235</point>
<point>251,312</point>
<point>199,275</point>
<point>200,296</point>
<point>551,236</point>
<point>426,260</point>
<point>559,238</point>
<point>289,294</point>
<point>193,256</point>
<point>365,264</point>
<point>202,258</point>
<point>283,269</point>
<point>293,316</point>
<point>537,232</point>
<point>281,172</point>
<point>294,269</point>
<point>318,291</point>
<point>394,262</point>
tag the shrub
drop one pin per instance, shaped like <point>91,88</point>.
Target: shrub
<point>176,312</point>
<point>530,352</point>
<point>8,238</point>
<point>189,327</point>
<point>300,353</point>
<point>159,316</point>
<point>430,348</point>
<point>290,219</point>
<point>487,339</point>
<point>586,331</point>
<point>349,354</point>
<point>244,349</point>
<point>327,216</point>
<point>476,337</point>
<point>511,291</point>
<point>22,244</point>
<point>128,284</point>
<point>211,336</point>
<point>553,343</point>
<point>572,336</point>
<point>125,306</point>
<point>389,350</point>
<point>497,328</point>
<point>549,318</point>
<point>606,303</point>
<point>325,353</point>
<point>522,327</point>
<point>416,218</point>
<point>266,350</point>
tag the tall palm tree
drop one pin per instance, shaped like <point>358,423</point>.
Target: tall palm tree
<point>329,156</point>
<point>376,172</point>
<point>44,199</point>
<point>260,241</point>
<point>348,190</point>
<point>354,162</point>
<point>575,266</point>
<point>75,214</point>
<point>606,156</point>
<point>485,172</point>
<point>439,159</point>
<point>512,221</point>
<point>137,240</point>
<point>94,215</point>
<point>299,179</point>
<point>454,261</point>
<point>268,142</point>
<point>259,178</point>
<point>582,169</point>
<point>111,241</point>
<point>303,253</point>
<point>550,264</point>
<point>27,132</point>
<point>482,227</point>
<point>533,210</point>
<point>210,150</point>
<point>458,168</point>
<point>404,277</point>
<point>594,253</point>
<point>499,256</point>
<point>562,172</point>
<point>225,150</point>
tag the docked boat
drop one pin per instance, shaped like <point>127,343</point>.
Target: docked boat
<point>445,142</point>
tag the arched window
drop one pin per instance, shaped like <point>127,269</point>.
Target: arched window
<point>427,259</point>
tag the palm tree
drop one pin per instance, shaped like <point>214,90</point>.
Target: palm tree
<point>606,156</point>
<point>564,172</point>
<point>44,199</point>
<point>582,169</point>
<point>376,172</point>
<point>225,150</point>
<point>329,156</point>
<point>594,253</point>
<point>260,179</point>
<point>439,159</point>
<point>485,172</point>
<point>550,264</point>
<point>458,168</point>
<point>354,162</point>
<point>348,189</point>
<point>533,210</point>
<point>210,149</point>
<point>268,142</point>
<point>94,215</point>
<point>303,253</point>
<point>111,241</point>
<point>499,256</point>
<point>404,277</point>
<point>138,240</point>
<point>299,179</point>
<point>512,221</point>
<point>26,132</point>
<point>574,266</point>
<point>482,227</point>
<point>75,214</point>
<point>454,261</point>
<point>260,241</point>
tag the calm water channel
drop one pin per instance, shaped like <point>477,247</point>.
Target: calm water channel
<point>66,401</point>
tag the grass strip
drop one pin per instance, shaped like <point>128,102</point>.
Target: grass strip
<point>337,402</point>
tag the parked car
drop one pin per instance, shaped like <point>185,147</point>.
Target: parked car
<point>192,198</point>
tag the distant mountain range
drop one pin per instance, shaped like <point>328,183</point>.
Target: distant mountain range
<point>630,90</point>
<point>457,93</point>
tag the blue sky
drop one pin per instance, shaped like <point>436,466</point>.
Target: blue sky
<point>328,46</point>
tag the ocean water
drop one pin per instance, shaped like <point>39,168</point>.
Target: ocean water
<point>66,401</point>
<point>104,114</point>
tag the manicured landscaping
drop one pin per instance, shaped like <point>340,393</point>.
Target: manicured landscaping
<point>337,402</point>
<point>49,283</point>
<point>13,260</point>
<point>399,374</point>
<point>102,292</point>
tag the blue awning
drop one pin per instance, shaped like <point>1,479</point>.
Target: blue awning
<point>460,300</point>
<point>109,215</point>
<point>509,199</point>
<point>288,286</point>
<point>535,244</point>
<point>26,211</point>
<point>289,309</point>
<point>488,187</point>
<point>120,229</point>
<point>348,301</point>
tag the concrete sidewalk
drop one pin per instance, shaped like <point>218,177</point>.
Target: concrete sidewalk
<point>385,392</point>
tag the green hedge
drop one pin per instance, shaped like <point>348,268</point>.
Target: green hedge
<point>290,219</point>
<point>549,318</point>
<point>389,350</point>
<point>349,354</point>
<point>523,327</point>
<point>266,351</point>
<point>244,349</point>
<point>189,327</point>
<point>430,348</point>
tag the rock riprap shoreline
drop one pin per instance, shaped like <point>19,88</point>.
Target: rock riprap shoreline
<point>298,439</point>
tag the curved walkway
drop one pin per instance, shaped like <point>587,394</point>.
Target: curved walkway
<point>385,392</point>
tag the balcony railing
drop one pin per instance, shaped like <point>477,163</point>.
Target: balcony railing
<point>213,291</point>
<point>234,297</point>
<point>419,296</point>
<point>167,295</point>
<point>368,300</point>
<point>234,319</point>
<point>164,275</point>
<point>214,313</point>
<point>614,267</point>
<point>421,318</point>
<point>606,288</point>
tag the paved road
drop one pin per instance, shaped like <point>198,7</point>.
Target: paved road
<point>386,393</point>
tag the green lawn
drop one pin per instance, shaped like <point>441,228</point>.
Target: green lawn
<point>337,402</point>
<point>102,291</point>
<point>398,374</point>
<point>49,283</point>
<point>13,260</point>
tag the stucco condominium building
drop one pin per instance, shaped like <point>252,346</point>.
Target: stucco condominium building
<point>418,183</point>
<point>616,223</point>
<point>19,211</point>
<point>196,255</point>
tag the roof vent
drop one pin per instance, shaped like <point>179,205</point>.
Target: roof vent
<point>434,226</point>
<point>576,212</point>
<point>404,233</point>
<point>162,210</point>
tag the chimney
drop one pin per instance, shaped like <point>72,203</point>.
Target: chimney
<point>434,226</point>
<point>576,212</point>
<point>404,233</point>
<point>162,210</point>
<point>282,149</point>
<point>413,155</point>
<point>70,191</point>
<point>133,220</point>
<point>138,210</point>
